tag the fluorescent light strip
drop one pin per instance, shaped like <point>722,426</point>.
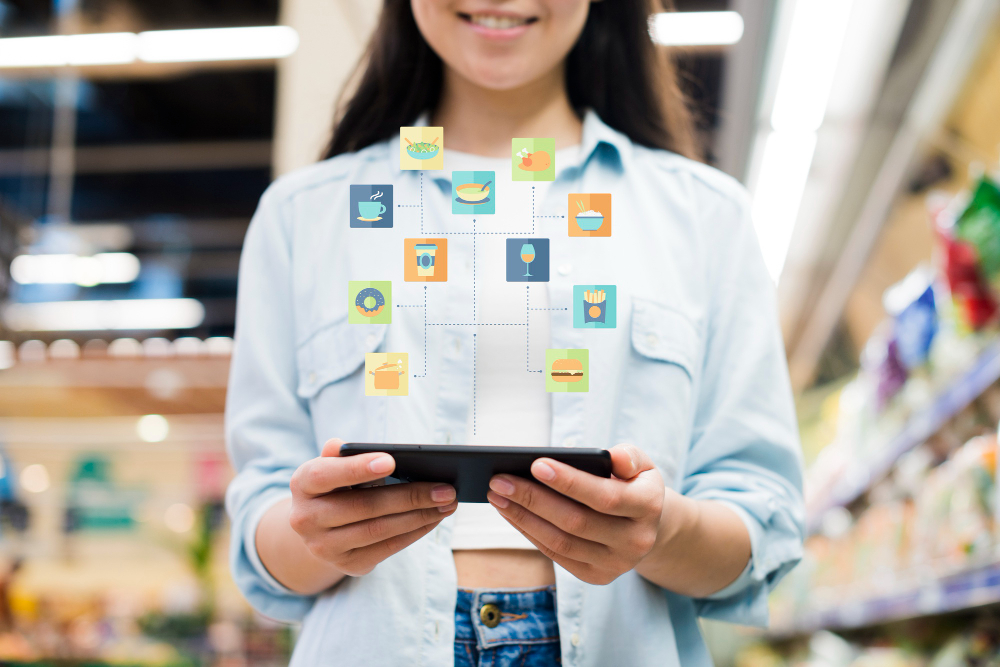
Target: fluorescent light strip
<point>158,46</point>
<point>808,68</point>
<point>784,172</point>
<point>128,314</point>
<point>809,65</point>
<point>105,267</point>
<point>696,28</point>
<point>166,46</point>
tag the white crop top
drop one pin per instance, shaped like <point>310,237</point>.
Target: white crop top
<point>513,406</point>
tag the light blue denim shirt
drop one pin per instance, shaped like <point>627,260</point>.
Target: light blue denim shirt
<point>694,374</point>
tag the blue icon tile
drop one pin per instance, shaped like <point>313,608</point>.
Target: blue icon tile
<point>527,260</point>
<point>371,206</point>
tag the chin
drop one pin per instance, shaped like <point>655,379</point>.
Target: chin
<point>495,74</point>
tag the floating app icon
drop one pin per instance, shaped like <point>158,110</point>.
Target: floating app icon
<point>589,214</point>
<point>421,148</point>
<point>425,260</point>
<point>387,374</point>
<point>527,260</point>
<point>371,206</point>
<point>567,370</point>
<point>594,306</point>
<point>369,302</point>
<point>473,192</point>
<point>533,159</point>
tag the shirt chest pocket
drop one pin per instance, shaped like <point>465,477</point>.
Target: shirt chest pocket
<point>331,365</point>
<point>658,386</point>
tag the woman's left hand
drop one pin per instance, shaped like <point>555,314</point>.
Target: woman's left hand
<point>595,528</point>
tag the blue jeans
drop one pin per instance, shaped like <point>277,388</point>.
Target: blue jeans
<point>526,635</point>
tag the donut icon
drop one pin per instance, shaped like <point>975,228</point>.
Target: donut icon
<point>369,302</point>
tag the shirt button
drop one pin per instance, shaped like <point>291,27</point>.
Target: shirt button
<point>370,341</point>
<point>569,442</point>
<point>312,378</point>
<point>652,340</point>
<point>457,344</point>
<point>564,269</point>
<point>574,639</point>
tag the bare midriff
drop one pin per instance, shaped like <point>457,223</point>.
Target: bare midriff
<point>503,568</point>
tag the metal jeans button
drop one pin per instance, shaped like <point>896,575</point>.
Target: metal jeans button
<point>489,614</point>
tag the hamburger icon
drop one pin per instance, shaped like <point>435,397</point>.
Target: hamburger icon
<point>567,370</point>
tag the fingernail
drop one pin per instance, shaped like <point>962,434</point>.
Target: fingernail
<point>381,465</point>
<point>501,486</point>
<point>543,471</point>
<point>499,501</point>
<point>443,493</point>
<point>447,508</point>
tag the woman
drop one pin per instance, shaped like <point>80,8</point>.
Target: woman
<point>704,513</point>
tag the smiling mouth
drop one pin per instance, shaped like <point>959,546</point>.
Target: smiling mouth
<point>494,22</point>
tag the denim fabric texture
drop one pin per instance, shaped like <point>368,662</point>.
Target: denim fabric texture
<point>527,636</point>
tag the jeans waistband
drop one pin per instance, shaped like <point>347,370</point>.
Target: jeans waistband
<point>527,616</point>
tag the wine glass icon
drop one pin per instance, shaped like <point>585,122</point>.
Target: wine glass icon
<point>527,256</point>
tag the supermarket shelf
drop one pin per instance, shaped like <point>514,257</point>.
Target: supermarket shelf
<point>966,590</point>
<point>921,426</point>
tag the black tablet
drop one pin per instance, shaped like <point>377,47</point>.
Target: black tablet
<point>469,467</point>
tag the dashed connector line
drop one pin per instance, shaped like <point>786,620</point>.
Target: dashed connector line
<point>424,306</point>
<point>473,276</point>
<point>473,384</point>
<point>527,330</point>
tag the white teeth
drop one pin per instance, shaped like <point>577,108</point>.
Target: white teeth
<point>497,22</point>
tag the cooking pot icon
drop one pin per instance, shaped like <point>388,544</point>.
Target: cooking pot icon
<point>387,375</point>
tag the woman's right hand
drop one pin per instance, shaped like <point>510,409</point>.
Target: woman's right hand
<point>356,529</point>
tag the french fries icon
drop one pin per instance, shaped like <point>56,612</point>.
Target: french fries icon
<point>594,302</point>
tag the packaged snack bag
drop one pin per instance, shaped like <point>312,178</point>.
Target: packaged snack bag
<point>970,256</point>
<point>979,226</point>
<point>911,304</point>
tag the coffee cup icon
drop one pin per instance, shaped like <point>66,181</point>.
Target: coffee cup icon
<point>371,210</point>
<point>425,258</point>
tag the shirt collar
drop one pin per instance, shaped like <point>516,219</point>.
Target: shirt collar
<point>599,141</point>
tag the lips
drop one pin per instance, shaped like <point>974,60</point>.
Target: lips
<point>498,25</point>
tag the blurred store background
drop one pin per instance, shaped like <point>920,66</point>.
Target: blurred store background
<point>136,138</point>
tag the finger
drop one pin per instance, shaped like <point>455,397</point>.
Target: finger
<point>353,505</point>
<point>627,461</point>
<point>557,509</point>
<point>372,531</point>
<point>332,447</point>
<point>377,553</point>
<point>326,473</point>
<point>574,566</point>
<point>555,539</point>
<point>607,496</point>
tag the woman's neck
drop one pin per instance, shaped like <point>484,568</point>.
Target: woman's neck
<point>482,121</point>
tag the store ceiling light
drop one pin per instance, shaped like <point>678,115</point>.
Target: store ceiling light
<point>173,46</point>
<point>35,478</point>
<point>696,28</point>
<point>808,67</point>
<point>157,46</point>
<point>127,314</point>
<point>179,518</point>
<point>152,428</point>
<point>105,267</point>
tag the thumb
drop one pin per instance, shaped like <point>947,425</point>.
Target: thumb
<point>627,461</point>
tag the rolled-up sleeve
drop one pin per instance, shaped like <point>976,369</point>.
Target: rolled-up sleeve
<point>268,428</point>
<point>745,449</point>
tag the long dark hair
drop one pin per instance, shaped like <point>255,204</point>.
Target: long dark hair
<point>614,69</point>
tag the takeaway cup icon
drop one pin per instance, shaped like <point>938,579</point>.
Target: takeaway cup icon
<point>425,258</point>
